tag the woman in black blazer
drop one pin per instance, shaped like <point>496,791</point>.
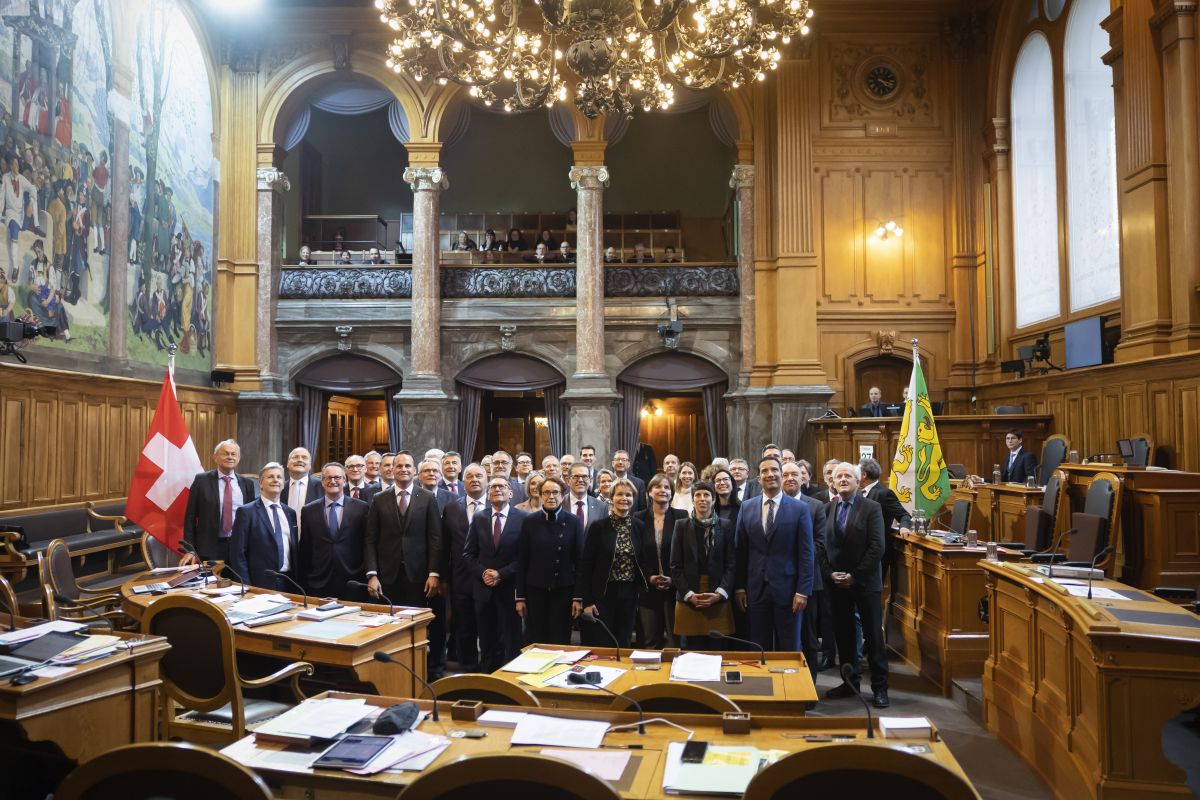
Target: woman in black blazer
<point>618,558</point>
<point>702,562</point>
<point>551,543</point>
<point>656,612</point>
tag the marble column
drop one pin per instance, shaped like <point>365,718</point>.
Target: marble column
<point>427,409</point>
<point>742,181</point>
<point>590,391</point>
<point>118,235</point>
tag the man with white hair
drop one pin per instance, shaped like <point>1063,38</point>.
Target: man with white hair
<point>214,497</point>
<point>302,486</point>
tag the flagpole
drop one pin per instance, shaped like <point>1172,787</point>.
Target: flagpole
<point>171,350</point>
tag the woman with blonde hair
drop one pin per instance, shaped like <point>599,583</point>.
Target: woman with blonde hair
<point>682,498</point>
<point>532,487</point>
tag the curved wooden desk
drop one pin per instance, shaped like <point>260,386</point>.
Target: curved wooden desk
<point>406,641</point>
<point>1081,688</point>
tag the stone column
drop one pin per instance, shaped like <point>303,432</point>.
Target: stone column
<point>428,421</point>
<point>590,392</point>
<point>742,181</point>
<point>118,235</point>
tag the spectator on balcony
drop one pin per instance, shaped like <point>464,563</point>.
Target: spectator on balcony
<point>565,253</point>
<point>339,240</point>
<point>374,256</point>
<point>610,255</point>
<point>490,242</point>
<point>464,243</point>
<point>541,255</point>
<point>306,257</point>
<point>515,243</point>
<point>547,238</point>
<point>669,256</point>
<point>640,256</point>
<point>345,259</point>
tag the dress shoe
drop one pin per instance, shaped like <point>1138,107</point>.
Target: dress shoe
<point>838,692</point>
<point>825,663</point>
<point>880,699</point>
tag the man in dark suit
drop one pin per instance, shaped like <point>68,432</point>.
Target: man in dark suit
<point>620,465</point>
<point>775,562</point>
<point>456,522</point>
<point>492,552</point>
<point>356,483</point>
<point>429,476</point>
<point>264,535</point>
<point>451,471</point>
<point>502,468</point>
<point>744,487</point>
<point>850,564</point>
<point>404,540</point>
<point>895,516</point>
<point>1020,463</point>
<point>587,457</point>
<point>301,487</point>
<point>578,502</point>
<point>214,497</point>
<point>875,406</point>
<point>817,639</point>
<point>335,530</point>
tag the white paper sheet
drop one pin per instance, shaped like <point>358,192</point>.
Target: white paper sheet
<point>320,719</point>
<point>646,656</point>
<point>51,672</point>
<point>1098,593</point>
<point>403,748</point>
<point>559,731</point>
<point>532,661</point>
<point>500,719</point>
<point>607,765</point>
<point>696,667</point>
<point>27,634</point>
<point>607,676</point>
<point>706,778</point>
<point>571,656</point>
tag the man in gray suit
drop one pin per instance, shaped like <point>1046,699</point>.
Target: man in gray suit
<point>585,507</point>
<point>404,539</point>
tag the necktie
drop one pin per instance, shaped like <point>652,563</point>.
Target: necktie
<point>579,510</point>
<point>227,506</point>
<point>403,503</point>
<point>496,531</point>
<point>470,510</point>
<point>354,492</point>
<point>843,513</point>
<point>453,488</point>
<point>278,532</point>
<point>770,517</point>
<point>296,497</point>
<point>333,519</point>
<point>1012,458</point>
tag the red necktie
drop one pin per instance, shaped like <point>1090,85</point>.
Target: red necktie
<point>227,506</point>
<point>354,492</point>
<point>496,531</point>
<point>579,510</point>
<point>403,503</point>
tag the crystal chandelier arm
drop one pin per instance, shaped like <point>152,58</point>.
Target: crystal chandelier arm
<point>669,11</point>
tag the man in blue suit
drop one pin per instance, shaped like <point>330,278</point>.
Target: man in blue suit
<point>492,555</point>
<point>264,535</point>
<point>335,531</point>
<point>775,561</point>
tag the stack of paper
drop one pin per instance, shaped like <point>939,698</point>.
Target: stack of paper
<point>646,656</point>
<point>607,765</point>
<point>26,634</point>
<point>540,679</point>
<point>314,719</point>
<point>494,718</point>
<point>88,648</point>
<point>571,656</point>
<point>696,667</point>
<point>412,750</point>
<point>725,771</point>
<point>905,728</point>
<point>559,731</point>
<point>532,660</point>
<point>318,614</point>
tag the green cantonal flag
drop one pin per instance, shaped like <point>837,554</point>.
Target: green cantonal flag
<point>919,477</point>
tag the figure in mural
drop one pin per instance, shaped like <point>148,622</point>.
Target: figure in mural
<point>18,204</point>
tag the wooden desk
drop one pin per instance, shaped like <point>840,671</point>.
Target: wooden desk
<point>934,622</point>
<point>976,441</point>
<point>642,778</point>
<point>95,707</point>
<point>1158,527</point>
<point>407,641</point>
<point>998,510</point>
<point>1081,688</point>
<point>761,692</point>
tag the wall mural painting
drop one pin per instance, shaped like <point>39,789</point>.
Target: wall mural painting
<point>57,133</point>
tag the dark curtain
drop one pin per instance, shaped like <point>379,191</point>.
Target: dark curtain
<point>629,417</point>
<point>714,417</point>
<point>470,401</point>
<point>395,419</point>
<point>312,406</point>
<point>558,416</point>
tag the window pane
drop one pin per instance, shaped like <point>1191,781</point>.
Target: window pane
<point>1035,189</point>
<point>1092,239</point>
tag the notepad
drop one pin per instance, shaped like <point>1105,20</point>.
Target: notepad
<point>646,656</point>
<point>725,771</point>
<point>905,727</point>
<point>532,660</point>
<point>696,667</point>
<point>608,765</point>
<point>559,731</point>
<point>329,631</point>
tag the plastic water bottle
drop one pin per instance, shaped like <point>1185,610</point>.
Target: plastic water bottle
<point>996,474</point>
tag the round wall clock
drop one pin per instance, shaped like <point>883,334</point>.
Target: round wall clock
<point>881,81</point>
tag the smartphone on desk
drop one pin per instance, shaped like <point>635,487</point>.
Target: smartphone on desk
<point>733,676</point>
<point>694,752</point>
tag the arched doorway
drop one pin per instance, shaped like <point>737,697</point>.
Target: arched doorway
<point>346,407</point>
<point>672,403</point>
<point>511,402</point>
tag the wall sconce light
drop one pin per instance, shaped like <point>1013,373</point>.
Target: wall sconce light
<point>888,229</point>
<point>649,409</point>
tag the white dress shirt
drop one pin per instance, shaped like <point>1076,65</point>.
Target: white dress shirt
<point>285,528</point>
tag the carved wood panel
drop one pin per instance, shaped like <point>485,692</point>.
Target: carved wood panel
<point>913,64</point>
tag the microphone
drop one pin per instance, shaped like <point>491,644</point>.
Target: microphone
<point>226,568</point>
<point>186,548</point>
<point>1091,572</point>
<point>276,573</point>
<point>386,658</point>
<point>587,679</point>
<point>1053,551</point>
<point>587,616</point>
<point>363,586</point>
<point>762,653</point>
<point>847,674</point>
<point>66,601</point>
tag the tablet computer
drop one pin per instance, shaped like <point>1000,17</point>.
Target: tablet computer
<point>352,752</point>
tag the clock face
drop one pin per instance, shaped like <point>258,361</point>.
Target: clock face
<point>881,81</point>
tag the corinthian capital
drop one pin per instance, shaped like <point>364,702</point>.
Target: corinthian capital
<point>588,177</point>
<point>743,176</point>
<point>270,178</point>
<point>426,178</point>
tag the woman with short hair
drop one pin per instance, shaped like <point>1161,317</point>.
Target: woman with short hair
<point>702,568</point>
<point>549,550</point>
<point>604,483</point>
<point>532,488</point>
<point>656,606</point>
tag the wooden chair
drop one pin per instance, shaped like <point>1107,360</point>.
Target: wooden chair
<point>530,777</point>
<point>1040,520</point>
<point>858,770</point>
<point>1091,529</point>
<point>200,673</point>
<point>8,599</point>
<point>180,771</point>
<point>157,555</point>
<point>64,598</point>
<point>675,698</point>
<point>1054,452</point>
<point>484,688</point>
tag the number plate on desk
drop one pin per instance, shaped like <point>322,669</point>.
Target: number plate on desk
<point>282,646</point>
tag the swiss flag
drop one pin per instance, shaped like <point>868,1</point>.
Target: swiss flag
<point>158,493</point>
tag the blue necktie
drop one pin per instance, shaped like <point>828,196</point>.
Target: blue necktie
<point>770,517</point>
<point>333,519</point>
<point>278,533</point>
<point>843,514</point>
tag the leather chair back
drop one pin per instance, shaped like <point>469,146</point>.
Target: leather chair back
<point>1054,451</point>
<point>960,517</point>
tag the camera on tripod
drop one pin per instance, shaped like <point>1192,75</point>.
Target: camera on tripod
<point>13,333</point>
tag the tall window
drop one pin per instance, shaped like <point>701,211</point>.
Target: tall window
<point>1092,239</point>
<point>1035,184</point>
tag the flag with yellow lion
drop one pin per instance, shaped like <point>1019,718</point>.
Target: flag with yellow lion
<point>919,477</point>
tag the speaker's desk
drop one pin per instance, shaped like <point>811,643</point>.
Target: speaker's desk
<point>933,621</point>
<point>406,640</point>
<point>781,687</point>
<point>284,771</point>
<point>1081,688</point>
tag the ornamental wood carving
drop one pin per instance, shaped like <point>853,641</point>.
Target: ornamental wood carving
<point>851,99</point>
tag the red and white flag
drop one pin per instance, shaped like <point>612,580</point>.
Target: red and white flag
<point>158,493</point>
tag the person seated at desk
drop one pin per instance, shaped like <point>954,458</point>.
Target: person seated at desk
<point>541,255</point>
<point>464,243</point>
<point>515,242</point>
<point>876,407</point>
<point>374,256</point>
<point>640,256</point>
<point>1019,464</point>
<point>490,243</point>
<point>565,253</point>
<point>306,257</point>
<point>669,256</point>
<point>264,535</point>
<point>547,238</point>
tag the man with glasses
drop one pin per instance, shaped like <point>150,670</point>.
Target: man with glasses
<point>335,527</point>
<point>456,521</point>
<point>356,481</point>
<point>524,467</point>
<point>585,507</point>
<point>502,468</point>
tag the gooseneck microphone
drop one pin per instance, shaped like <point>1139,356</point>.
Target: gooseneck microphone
<point>276,573</point>
<point>386,658</point>
<point>76,607</point>
<point>364,587</point>
<point>1091,572</point>
<point>588,616</point>
<point>1051,556</point>
<point>762,653</point>
<point>593,679</point>
<point>847,676</point>
<point>226,568</point>
<point>186,548</point>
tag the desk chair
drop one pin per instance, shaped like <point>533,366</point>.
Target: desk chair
<point>1091,528</point>
<point>1039,520</point>
<point>157,555</point>
<point>64,598</point>
<point>8,599</point>
<point>179,771</point>
<point>858,770</point>
<point>484,688</point>
<point>675,698</point>
<point>1143,450</point>
<point>960,517</point>
<point>1054,451</point>
<point>957,471</point>
<point>200,673</point>
<point>530,777</point>
<point>1010,409</point>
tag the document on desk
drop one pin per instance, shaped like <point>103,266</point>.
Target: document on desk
<point>1098,592</point>
<point>317,719</point>
<point>329,631</point>
<point>696,667</point>
<point>608,765</point>
<point>259,603</point>
<point>607,675</point>
<point>559,731</point>
<point>532,660</point>
<point>571,656</point>
<point>540,679</point>
<point>405,747</point>
<point>25,634</point>
<point>725,771</point>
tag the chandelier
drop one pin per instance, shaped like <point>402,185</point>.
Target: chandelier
<point>613,55</point>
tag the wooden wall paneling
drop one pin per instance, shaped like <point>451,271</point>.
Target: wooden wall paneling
<point>12,448</point>
<point>1184,444</point>
<point>95,414</point>
<point>883,260</point>
<point>70,484</point>
<point>841,231</point>
<point>926,236</point>
<point>119,432</point>
<point>1158,418</point>
<point>42,469</point>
